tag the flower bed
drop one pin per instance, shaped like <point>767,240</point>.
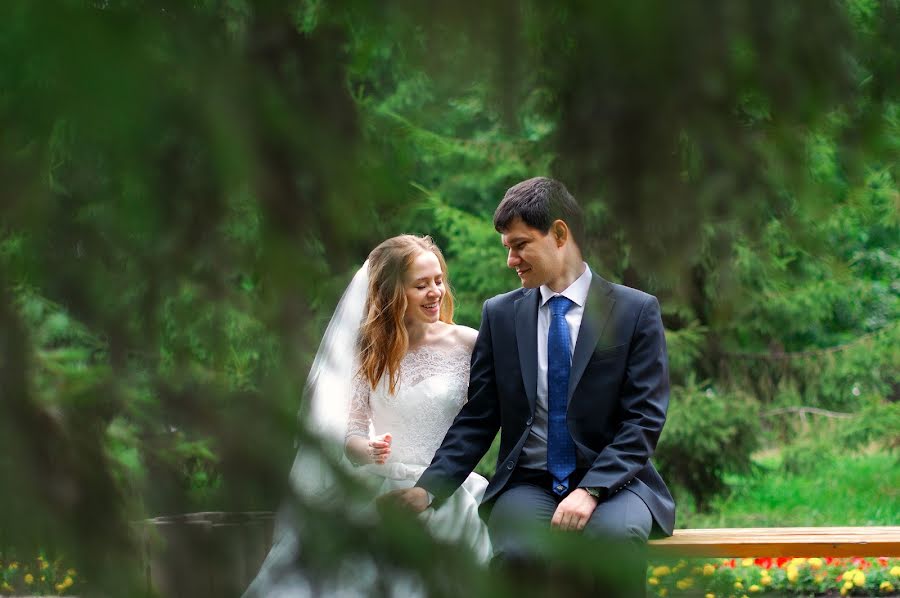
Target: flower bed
<point>780,576</point>
<point>38,577</point>
<point>719,578</point>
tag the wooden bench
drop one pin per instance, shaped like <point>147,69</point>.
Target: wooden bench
<point>779,541</point>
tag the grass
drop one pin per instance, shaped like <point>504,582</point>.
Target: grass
<point>845,490</point>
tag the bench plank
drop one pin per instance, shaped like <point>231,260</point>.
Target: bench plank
<point>780,541</point>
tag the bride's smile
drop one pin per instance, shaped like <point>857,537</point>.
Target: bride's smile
<point>424,290</point>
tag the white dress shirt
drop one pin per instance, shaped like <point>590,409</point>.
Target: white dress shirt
<point>534,452</point>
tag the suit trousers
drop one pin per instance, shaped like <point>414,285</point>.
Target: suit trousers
<point>520,519</point>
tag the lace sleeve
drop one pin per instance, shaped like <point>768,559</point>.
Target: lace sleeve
<point>359,416</point>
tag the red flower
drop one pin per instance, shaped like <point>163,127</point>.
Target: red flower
<point>765,563</point>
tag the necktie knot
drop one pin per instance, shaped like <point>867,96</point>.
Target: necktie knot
<point>560,305</point>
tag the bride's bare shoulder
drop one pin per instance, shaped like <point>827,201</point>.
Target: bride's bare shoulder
<point>464,335</point>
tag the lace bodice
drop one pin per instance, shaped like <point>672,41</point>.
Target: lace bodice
<point>431,391</point>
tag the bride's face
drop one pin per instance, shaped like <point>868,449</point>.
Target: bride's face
<point>424,286</point>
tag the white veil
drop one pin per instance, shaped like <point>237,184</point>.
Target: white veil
<point>320,456</point>
<point>329,389</point>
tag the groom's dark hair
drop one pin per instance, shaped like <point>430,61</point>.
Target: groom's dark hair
<point>539,202</point>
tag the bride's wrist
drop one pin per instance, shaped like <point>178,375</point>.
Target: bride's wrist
<point>357,451</point>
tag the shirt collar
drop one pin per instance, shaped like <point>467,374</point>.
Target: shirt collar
<point>576,292</point>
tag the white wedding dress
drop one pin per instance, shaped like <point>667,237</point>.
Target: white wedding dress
<point>432,388</point>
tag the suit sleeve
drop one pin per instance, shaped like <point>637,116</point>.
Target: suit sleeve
<point>474,428</point>
<point>644,400</point>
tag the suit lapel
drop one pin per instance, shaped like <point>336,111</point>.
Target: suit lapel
<point>526,340</point>
<point>596,314</point>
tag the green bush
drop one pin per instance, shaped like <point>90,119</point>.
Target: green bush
<point>706,436</point>
<point>879,422</point>
<point>808,452</point>
<point>488,463</point>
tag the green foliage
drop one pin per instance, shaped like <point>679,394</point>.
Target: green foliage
<point>707,435</point>
<point>847,489</point>
<point>685,345</point>
<point>488,464</point>
<point>187,187</point>
<point>775,577</point>
<point>877,423</point>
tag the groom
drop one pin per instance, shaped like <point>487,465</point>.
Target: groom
<point>573,371</point>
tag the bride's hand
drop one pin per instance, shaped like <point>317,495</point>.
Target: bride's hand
<point>380,448</point>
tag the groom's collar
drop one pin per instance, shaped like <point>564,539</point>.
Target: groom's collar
<point>577,292</point>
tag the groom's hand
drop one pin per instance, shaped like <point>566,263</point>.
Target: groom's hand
<point>413,499</point>
<point>573,513</point>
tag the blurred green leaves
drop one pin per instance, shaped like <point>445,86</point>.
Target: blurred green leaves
<point>187,186</point>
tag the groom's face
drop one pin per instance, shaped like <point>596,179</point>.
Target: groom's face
<point>535,256</point>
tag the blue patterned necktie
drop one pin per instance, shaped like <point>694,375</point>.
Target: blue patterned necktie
<point>560,447</point>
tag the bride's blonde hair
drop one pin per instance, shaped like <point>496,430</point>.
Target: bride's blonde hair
<point>383,339</point>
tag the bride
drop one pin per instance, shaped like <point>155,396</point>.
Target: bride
<point>390,376</point>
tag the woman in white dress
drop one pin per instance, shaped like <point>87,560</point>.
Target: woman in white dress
<point>389,405</point>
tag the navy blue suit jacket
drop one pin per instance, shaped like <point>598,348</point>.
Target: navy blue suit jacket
<point>618,396</point>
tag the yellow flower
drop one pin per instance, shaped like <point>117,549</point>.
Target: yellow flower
<point>7,587</point>
<point>843,591</point>
<point>765,579</point>
<point>886,586</point>
<point>683,584</point>
<point>14,566</point>
<point>696,570</point>
<point>663,592</point>
<point>748,562</point>
<point>792,572</point>
<point>29,578</point>
<point>895,571</point>
<point>708,569</point>
<point>798,561</point>
<point>44,564</point>
<point>754,588</point>
<point>72,572</point>
<point>59,587</point>
<point>738,585</point>
<point>815,563</point>
<point>848,575</point>
<point>819,578</point>
<point>848,585</point>
<point>653,581</point>
<point>859,579</point>
<point>660,571</point>
<point>709,595</point>
<point>68,581</point>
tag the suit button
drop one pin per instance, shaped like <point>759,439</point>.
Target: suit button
<point>529,422</point>
<point>509,465</point>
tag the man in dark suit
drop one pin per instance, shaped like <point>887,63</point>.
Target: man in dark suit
<point>573,371</point>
